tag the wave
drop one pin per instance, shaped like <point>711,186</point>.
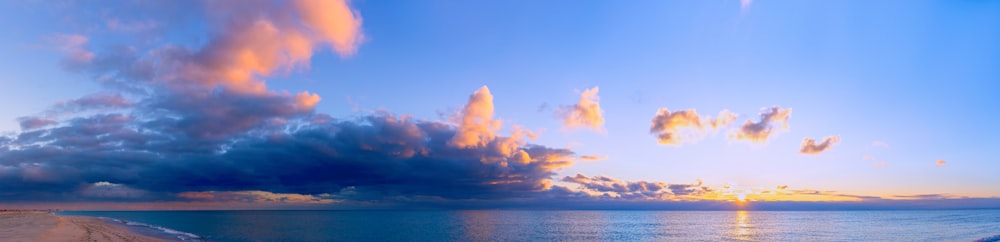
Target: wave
<point>183,236</point>
<point>994,238</point>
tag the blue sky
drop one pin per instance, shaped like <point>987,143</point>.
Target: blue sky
<point>903,83</point>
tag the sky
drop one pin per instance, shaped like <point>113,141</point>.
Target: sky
<point>499,104</point>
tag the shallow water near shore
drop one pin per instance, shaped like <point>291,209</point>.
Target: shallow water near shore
<point>504,225</point>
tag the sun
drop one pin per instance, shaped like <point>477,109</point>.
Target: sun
<point>741,197</point>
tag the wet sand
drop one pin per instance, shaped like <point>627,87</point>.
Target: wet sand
<point>17,226</point>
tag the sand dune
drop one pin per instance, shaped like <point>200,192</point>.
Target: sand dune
<point>17,226</point>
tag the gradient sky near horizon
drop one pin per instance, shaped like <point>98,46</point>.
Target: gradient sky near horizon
<point>910,89</point>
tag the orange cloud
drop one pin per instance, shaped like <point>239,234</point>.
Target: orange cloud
<point>810,147</point>
<point>586,113</point>
<point>758,132</point>
<point>668,126</point>
<point>476,126</point>
<point>335,23</point>
<point>257,40</point>
<point>940,163</point>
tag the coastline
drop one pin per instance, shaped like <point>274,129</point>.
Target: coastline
<point>16,226</point>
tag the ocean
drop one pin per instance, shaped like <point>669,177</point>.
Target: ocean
<point>526,225</point>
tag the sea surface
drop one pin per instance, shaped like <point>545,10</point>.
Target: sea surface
<point>519,225</point>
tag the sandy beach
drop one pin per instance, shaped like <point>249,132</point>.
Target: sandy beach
<point>16,226</point>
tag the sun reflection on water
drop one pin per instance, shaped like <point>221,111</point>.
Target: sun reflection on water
<point>742,229</point>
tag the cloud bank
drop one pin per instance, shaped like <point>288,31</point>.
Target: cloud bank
<point>198,122</point>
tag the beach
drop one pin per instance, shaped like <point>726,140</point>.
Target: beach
<point>16,226</point>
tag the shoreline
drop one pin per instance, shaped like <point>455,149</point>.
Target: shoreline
<point>16,226</point>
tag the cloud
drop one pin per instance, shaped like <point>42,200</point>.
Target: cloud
<point>669,126</point>
<point>381,156</point>
<point>882,144</point>
<point>261,38</point>
<point>585,113</point>
<point>107,190</point>
<point>810,147</point>
<point>759,132</point>
<point>28,123</point>
<point>940,163</point>
<point>476,126</point>
<point>633,190</point>
<point>334,22</point>
<point>73,47</point>
<point>199,120</point>
<point>255,197</point>
<point>94,101</point>
<point>594,157</point>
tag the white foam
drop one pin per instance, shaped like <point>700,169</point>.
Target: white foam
<point>184,236</point>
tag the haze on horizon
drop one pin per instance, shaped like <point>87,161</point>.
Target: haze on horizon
<point>617,105</point>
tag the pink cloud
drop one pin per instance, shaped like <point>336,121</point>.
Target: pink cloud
<point>74,48</point>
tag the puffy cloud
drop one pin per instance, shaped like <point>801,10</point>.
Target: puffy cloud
<point>940,163</point>
<point>758,132</point>
<point>258,38</point>
<point>668,126</point>
<point>476,126</point>
<point>585,113</point>
<point>333,22</point>
<point>810,147</point>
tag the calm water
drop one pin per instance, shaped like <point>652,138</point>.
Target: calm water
<point>502,225</point>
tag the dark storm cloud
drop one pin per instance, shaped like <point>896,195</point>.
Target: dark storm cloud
<point>383,153</point>
<point>198,120</point>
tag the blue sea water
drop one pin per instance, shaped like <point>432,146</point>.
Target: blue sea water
<point>520,225</point>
